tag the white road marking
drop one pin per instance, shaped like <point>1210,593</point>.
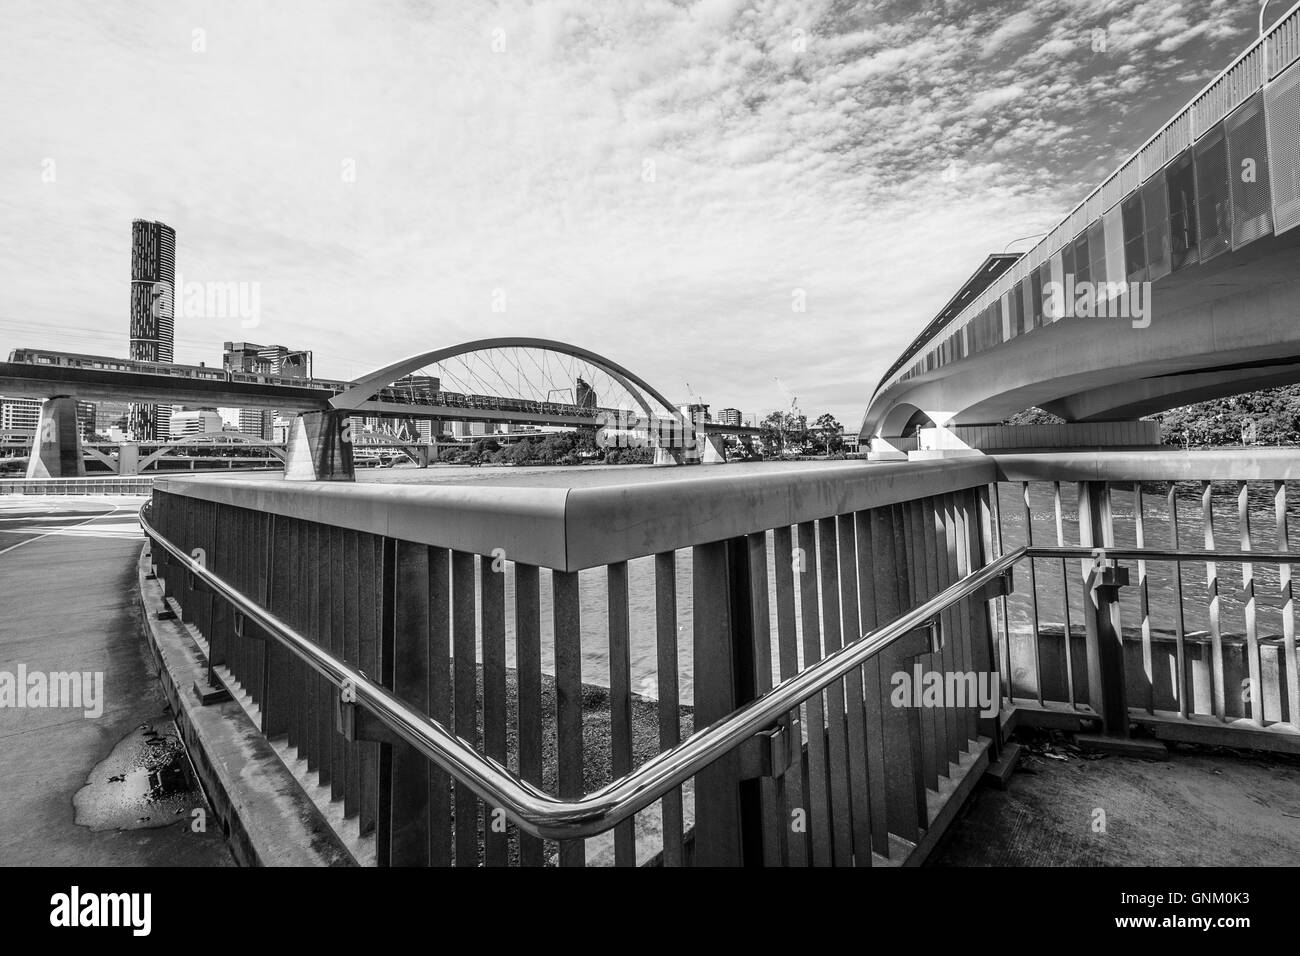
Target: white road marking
<point>15,547</point>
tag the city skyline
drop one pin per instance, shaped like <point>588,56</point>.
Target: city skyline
<point>570,171</point>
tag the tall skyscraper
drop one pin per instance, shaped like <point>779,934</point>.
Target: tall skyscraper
<point>153,287</point>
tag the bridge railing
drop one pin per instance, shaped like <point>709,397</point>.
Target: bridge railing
<point>112,485</point>
<point>674,669</point>
<point>585,640</point>
<point>1186,562</point>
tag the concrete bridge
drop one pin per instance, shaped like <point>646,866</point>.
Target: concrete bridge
<point>320,443</point>
<point>1176,280</point>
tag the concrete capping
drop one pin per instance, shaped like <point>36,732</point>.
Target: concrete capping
<point>1163,464</point>
<point>528,523</point>
<point>267,817</point>
<point>570,529</point>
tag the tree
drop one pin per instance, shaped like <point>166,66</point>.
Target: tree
<point>483,448</point>
<point>785,432</point>
<point>1267,417</point>
<point>830,433</point>
<point>1034,416</point>
<point>520,453</point>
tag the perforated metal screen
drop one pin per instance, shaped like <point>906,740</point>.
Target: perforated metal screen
<point>1024,288</point>
<point>1155,214</point>
<point>1213,197</point>
<point>1082,272</point>
<point>1017,304</point>
<point>1113,227</point>
<point>1096,252</point>
<point>1180,177</point>
<point>1135,250</point>
<point>1252,203</point>
<point>1042,276</point>
<point>988,329</point>
<point>1282,110</point>
<point>1057,263</point>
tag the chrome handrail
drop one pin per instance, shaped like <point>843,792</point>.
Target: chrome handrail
<point>1165,554</point>
<point>539,813</point>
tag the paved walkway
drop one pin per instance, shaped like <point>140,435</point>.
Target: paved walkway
<point>111,790</point>
<point>1203,807</point>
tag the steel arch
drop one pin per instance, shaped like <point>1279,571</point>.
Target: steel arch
<point>360,391</point>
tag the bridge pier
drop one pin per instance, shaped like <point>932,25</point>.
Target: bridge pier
<point>320,448</point>
<point>56,446</point>
<point>890,449</point>
<point>128,459</point>
<point>714,448</point>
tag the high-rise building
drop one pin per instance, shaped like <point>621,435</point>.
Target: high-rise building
<point>264,360</point>
<point>19,414</point>
<point>153,282</point>
<point>695,411</point>
<point>194,421</point>
<point>729,416</point>
<point>111,420</point>
<point>86,413</point>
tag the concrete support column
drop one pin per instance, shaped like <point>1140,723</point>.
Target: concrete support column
<point>678,443</point>
<point>128,459</point>
<point>320,448</point>
<point>56,446</point>
<point>714,448</point>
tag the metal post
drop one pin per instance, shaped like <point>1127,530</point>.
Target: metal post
<point>728,815</point>
<point>1105,635</point>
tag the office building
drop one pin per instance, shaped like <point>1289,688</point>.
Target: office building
<point>194,421</point>
<point>19,414</point>
<point>111,420</point>
<point>274,360</point>
<point>153,282</point>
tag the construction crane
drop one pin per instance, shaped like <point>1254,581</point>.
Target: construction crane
<point>794,412</point>
<point>794,399</point>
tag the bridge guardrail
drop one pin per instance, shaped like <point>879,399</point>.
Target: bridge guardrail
<point>142,485</point>
<point>756,579</point>
<point>539,813</point>
<point>397,593</point>
<point>1203,636</point>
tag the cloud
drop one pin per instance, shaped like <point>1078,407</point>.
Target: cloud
<point>649,179</point>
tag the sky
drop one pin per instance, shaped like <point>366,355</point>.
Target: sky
<point>766,200</point>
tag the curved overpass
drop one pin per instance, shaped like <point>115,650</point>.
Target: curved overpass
<point>1191,244</point>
